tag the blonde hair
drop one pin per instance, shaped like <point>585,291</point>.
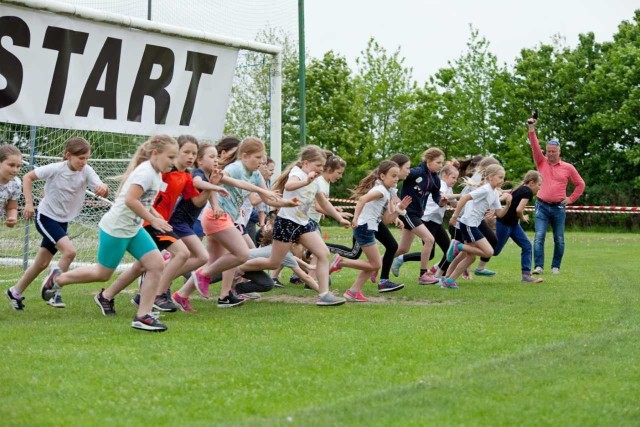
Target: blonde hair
<point>369,181</point>
<point>531,176</point>
<point>489,171</point>
<point>310,153</point>
<point>431,154</point>
<point>448,170</point>
<point>157,143</point>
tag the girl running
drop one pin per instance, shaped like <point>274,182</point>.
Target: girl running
<point>475,244</point>
<point>121,230</point>
<point>64,191</point>
<point>374,205</point>
<point>292,224</point>
<point>509,225</point>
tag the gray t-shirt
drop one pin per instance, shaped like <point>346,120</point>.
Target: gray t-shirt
<point>64,189</point>
<point>121,221</point>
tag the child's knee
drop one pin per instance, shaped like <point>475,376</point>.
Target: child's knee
<point>69,253</point>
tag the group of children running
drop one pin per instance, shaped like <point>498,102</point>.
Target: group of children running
<point>175,192</point>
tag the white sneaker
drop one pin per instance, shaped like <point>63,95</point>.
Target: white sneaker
<point>538,270</point>
<point>555,270</point>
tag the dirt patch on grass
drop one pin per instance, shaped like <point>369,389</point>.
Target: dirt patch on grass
<point>292,299</point>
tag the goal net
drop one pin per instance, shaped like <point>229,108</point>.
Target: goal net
<point>112,151</point>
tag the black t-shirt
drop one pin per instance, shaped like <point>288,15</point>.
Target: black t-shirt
<point>511,217</point>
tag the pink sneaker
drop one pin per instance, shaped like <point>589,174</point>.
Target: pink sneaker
<point>335,264</point>
<point>183,303</point>
<point>433,270</point>
<point>166,255</point>
<point>355,297</point>
<point>427,279</point>
<point>201,283</point>
<point>374,277</point>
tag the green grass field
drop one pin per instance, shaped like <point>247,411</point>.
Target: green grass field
<point>496,352</point>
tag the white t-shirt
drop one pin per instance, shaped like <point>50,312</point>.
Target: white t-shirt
<point>9,191</point>
<point>231,205</point>
<point>64,189</point>
<point>121,221</point>
<point>323,187</point>
<point>373,211</point>
<point>265,252</point>
<point>307,196</point>
<point>244,214</point>
<point>482,199</point>
<point>433,211</point>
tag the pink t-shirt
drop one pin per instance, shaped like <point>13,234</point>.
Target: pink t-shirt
<point>555,177</point>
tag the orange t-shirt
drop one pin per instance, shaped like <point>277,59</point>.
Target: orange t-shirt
<point>176,184</point>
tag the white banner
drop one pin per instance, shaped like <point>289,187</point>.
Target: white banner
<point>64,72</point>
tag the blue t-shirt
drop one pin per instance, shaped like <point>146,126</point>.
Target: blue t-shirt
<point>185,211</point>
<point>231,205</point>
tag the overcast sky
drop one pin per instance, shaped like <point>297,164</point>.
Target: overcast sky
<point>432,32</point>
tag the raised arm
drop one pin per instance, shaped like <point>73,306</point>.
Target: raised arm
<point>536,151</point>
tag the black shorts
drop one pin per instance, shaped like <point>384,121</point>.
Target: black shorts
<point>161,239</point>
<point>285,230</point>
<point>411,221</point>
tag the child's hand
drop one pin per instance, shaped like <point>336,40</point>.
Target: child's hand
<point>222,191</point>
<point>346,214</point>
<point>161,225</point>
<point>454,220</point>
<point>312,176</point>
<point>11,222</point>
<point>217,212</point>
<point>28,211</point>
<point>101,190</point>
<point>271,196</point>
<point>216,176</point>
<point>405,202</point>
<point>345,223</point>
<point>398,223</point>
<point>525,218</point>
<point>292,202</point>
<point>354,222</point>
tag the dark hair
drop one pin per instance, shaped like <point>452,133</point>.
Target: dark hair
<point>333,162</point>
<point>227,144</point>
<point>76,146</point>
<point>400,159</point>
<point>368,181</point>
<point>466,166</point>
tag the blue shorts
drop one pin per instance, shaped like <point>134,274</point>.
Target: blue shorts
<point>197,229</point>
<point>182,229</point>
<point>285,230</point>
<point>51,231</point>
<point>470,234</point>
<point>111,249</point>
<point>364,236</point>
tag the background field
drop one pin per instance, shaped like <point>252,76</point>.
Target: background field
<point>494,353</point>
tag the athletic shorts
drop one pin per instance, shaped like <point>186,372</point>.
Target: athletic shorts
<point>285,230</point>
<point>111,249</point>
<point>51,231</point>
<point>197,229</point>
<point>163,240</point>
<point>411,221</point>
<point>212,225</point>
<point>364,236</point>
<point>182,229</point>
<point>470,234</point>
<point>241,228</point>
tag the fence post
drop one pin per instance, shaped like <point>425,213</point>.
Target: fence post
<point>33,131</point>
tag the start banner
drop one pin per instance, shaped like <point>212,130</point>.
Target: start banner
<point>66,72</point>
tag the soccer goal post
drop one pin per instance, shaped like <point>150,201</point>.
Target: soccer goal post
<point>67,70</point>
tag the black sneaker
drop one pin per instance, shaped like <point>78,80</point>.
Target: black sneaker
<point>230,300</point>
<point>295,280</point>
<point>164,303</point>
<point>49,286</point>
<point>106,305</point>
<point>136,300</point>
<point>386,285</point>
<point>148,323</point>
<point>277,283</point>
<point>16,303</point>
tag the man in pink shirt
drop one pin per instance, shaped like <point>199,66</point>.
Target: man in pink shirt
<point>552,198</point>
